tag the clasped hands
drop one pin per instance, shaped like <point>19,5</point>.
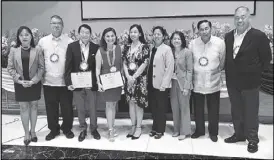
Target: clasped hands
<point>71,88</point>
<point>131,79</point>
<point>26,83</point>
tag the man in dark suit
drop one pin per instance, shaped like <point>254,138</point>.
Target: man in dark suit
<point>247,55</point>
<point>80,57</point>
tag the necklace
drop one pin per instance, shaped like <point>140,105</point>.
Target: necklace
<point>111,64</point>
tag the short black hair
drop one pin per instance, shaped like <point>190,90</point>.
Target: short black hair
<point>57,17</point>
<point>181,35</point>
<point>19,43</point>
<point>163,30</point>
<point>84,26</point>
<point>204,21</point>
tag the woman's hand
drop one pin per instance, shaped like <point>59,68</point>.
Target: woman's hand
<point>25,84</point>
<point>130,80</point>
<point>100,87</point>
<point>185,92</point>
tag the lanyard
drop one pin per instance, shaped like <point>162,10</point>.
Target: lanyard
<point>113,57</point>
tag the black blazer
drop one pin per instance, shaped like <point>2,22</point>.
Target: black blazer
<point>73,60</point>
<point>254,55</point>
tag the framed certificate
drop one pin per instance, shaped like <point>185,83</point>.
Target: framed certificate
<point>81,79</point>
<point>111,80</point>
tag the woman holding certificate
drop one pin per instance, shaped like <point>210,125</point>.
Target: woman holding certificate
<point>109,62</point>
<point>135,60</point>
<point>26,66</point>
<point>160,71</point>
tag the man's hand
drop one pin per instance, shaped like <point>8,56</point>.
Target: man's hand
<point>71,88</point>
<point>162,89</point>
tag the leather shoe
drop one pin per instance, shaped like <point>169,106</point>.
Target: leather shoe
<point>233,139</point>
<point>52,135</point>
<point>82,136</point>
<point>129,135</point>
<point>196,135</point>
<point>69,134</point>
<point>96,135</point>
<point>252,147</point>
<point>214,138</point>
<point>158,135</point>
<point>152,133</point>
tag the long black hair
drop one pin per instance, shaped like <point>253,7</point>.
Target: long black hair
<point>18,42</point>
<point>103,42</point>
<point>141,38</point>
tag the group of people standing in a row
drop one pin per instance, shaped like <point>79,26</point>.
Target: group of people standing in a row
<point>150,73</point>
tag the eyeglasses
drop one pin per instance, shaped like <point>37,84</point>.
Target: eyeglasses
<point>56,23</point>
<point>238,18</point>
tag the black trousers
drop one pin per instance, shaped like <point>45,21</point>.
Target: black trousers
<point>244,111</point>
<point>53,97</point>
<point>213,107</point>
<point>158,102</point>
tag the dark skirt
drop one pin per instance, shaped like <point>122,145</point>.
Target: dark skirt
<point>28,94</point>
<point>111,95</point>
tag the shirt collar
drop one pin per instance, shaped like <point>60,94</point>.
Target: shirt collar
<point>58,38</point>
<point>235,32</point>
<point>82,44</point>
<point>202,42</point>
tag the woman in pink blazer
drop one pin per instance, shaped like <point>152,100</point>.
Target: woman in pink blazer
<point>26,66</point>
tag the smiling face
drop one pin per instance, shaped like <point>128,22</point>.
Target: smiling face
<point>110,38</point>
<point>242,19</point>
<point>205,30</point>
<point>176,41</point>
<point>134,34</point>
<point>84,35</point>
<point>158,37</point>
<point>25,38</point>
<point>56,25</point>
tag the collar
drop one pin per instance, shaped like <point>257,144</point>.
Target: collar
<point>160,45</point>
<point>202,42</point>
<point>58,38</point>
<point>82,44</point>
<point>235,32</point>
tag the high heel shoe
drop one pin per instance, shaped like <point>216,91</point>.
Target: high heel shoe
<point>111,135</point>
<point>33,139</point>
<point>133,137</point>
<point>130,135</point>
<point>27,141</point>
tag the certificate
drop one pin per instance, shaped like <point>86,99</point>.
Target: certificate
<point>111,80</point>
<point>81,79</point>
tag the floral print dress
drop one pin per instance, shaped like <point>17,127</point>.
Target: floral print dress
<point>138,91</point>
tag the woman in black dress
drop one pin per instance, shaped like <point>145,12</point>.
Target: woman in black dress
<point>26,66</point>
<point>135,60</point>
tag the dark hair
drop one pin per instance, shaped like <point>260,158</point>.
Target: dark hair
<point>57,17</point>
<point>164,32</point>
<point>84,26</point>
<point>204,21</point>
<point>244,7</point>
<point>141,38</point>
<point>103,43</point>
<point>183,39</point>
<point>19,43</point>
